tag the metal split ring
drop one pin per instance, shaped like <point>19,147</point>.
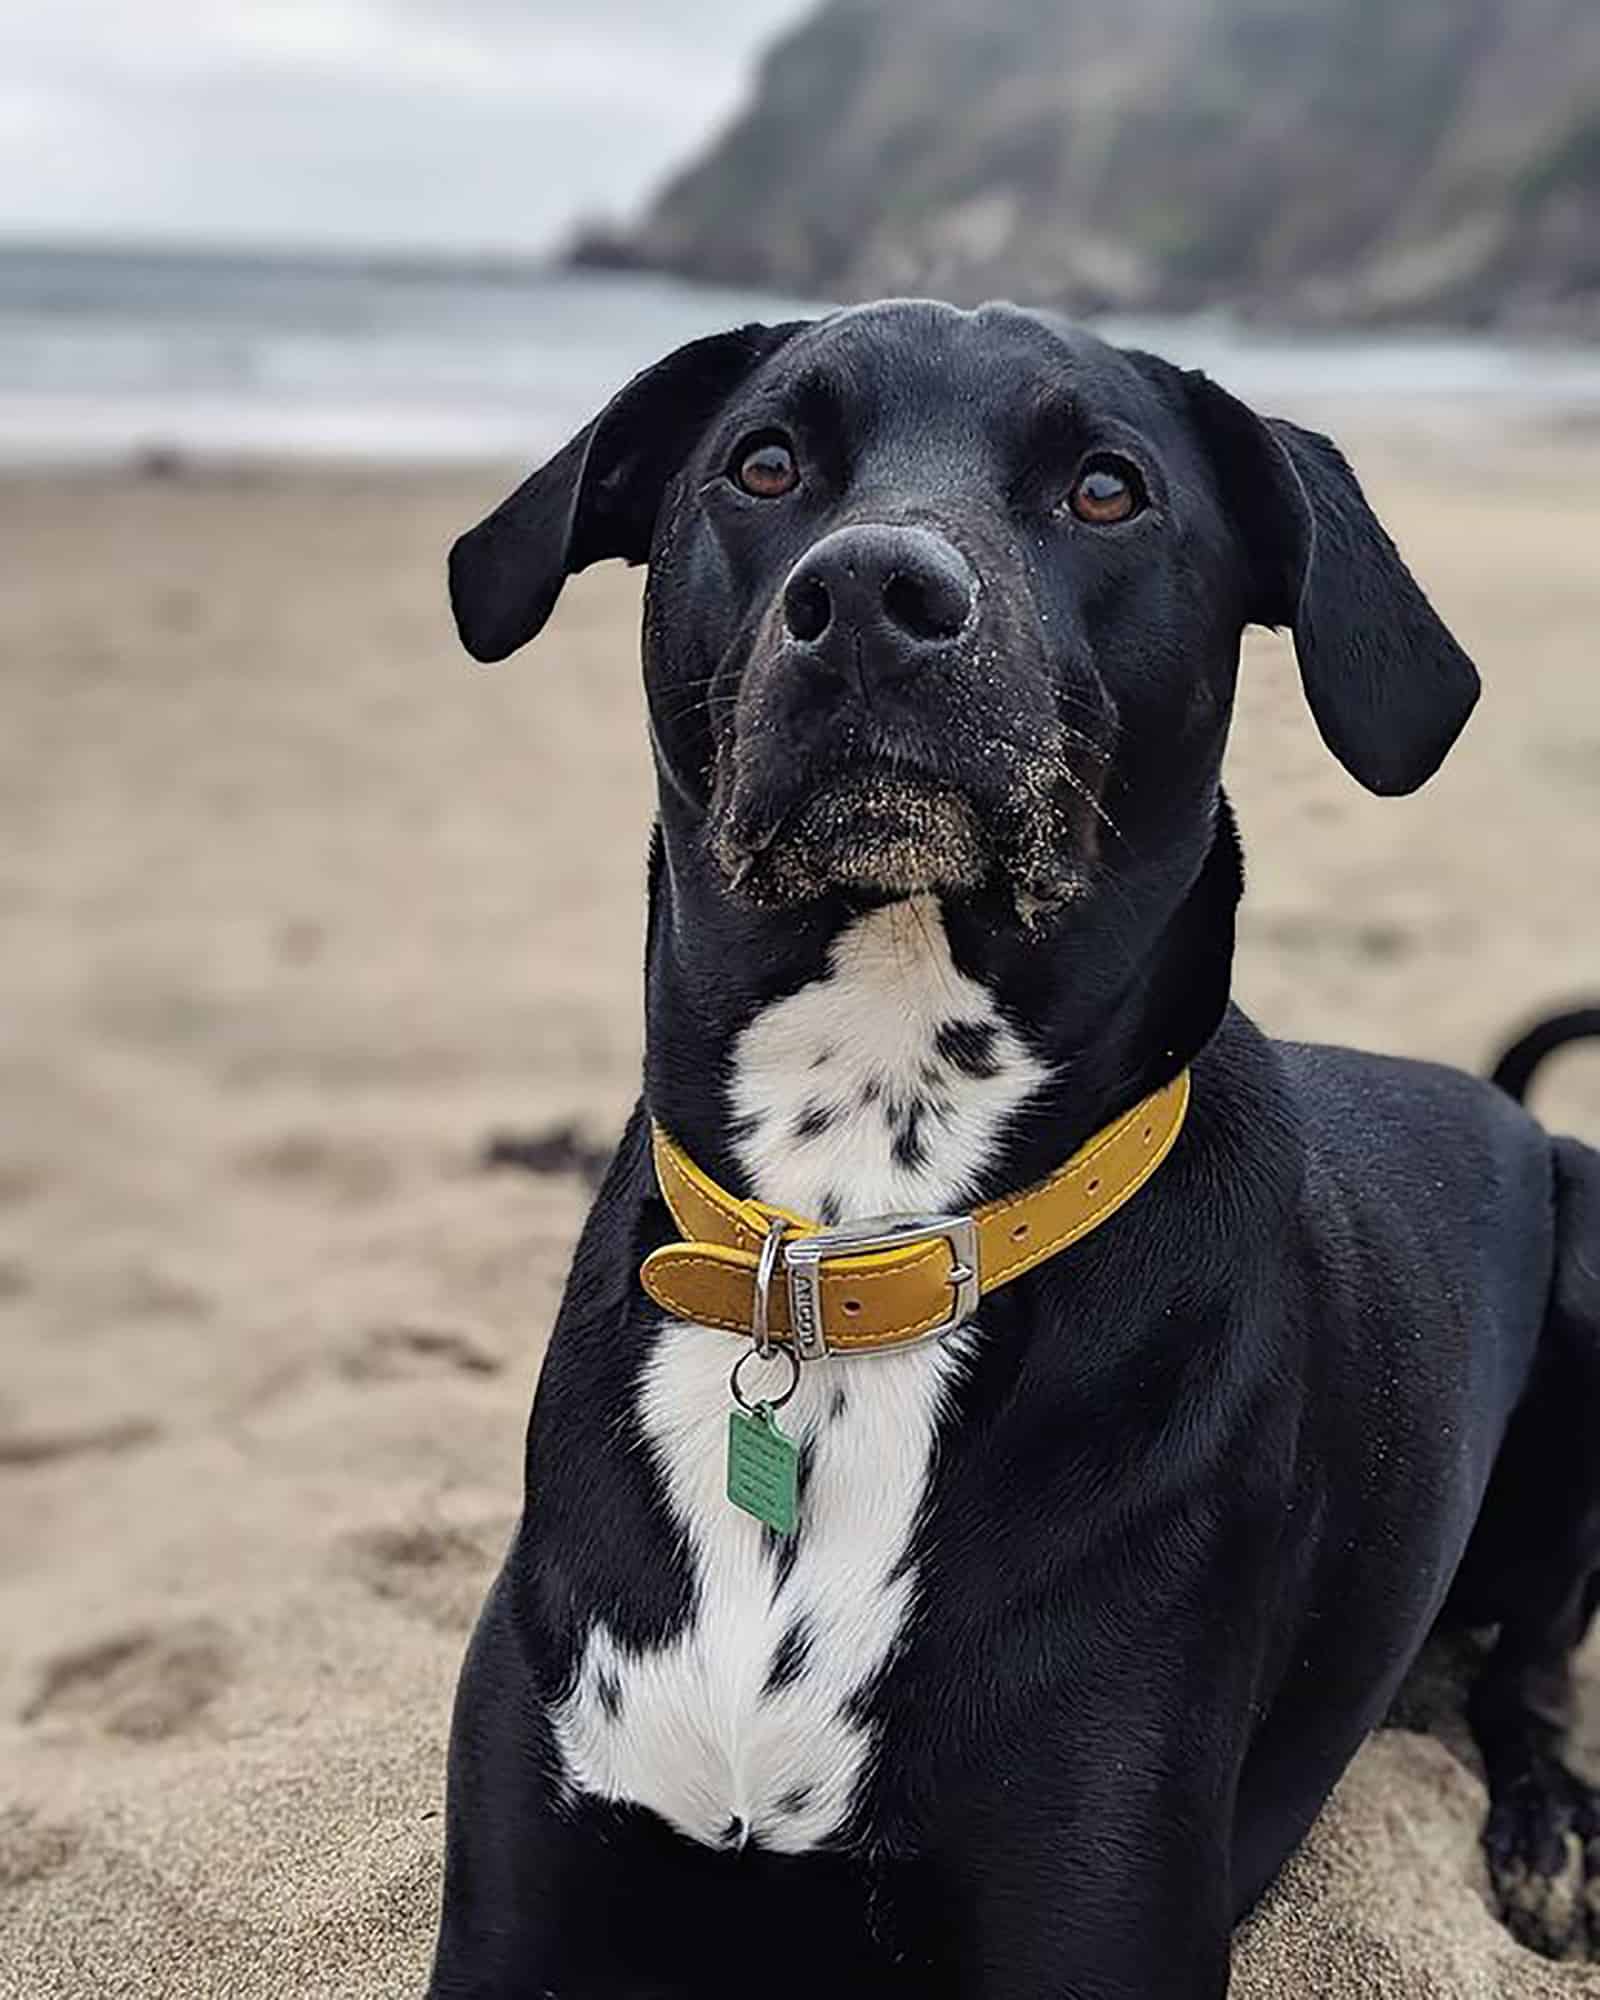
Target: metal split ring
<point>770,1402</point>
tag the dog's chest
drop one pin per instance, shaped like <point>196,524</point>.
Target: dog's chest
<point>883,1086</point>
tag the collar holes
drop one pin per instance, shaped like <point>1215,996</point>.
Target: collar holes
<point>1094,1186</point>
<point>850,1305</point>
<point>1020,1233</point>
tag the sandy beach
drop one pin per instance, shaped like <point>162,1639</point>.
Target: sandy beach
<point>297,909</point>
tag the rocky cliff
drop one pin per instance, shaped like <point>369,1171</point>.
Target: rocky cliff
<point>1322,159</point>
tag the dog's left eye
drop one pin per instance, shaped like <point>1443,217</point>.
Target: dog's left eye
<point>1106,491</point>
<point>765,466</point>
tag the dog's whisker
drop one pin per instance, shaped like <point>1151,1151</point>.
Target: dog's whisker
<point>1085,743</point>
<point>1090,799</point>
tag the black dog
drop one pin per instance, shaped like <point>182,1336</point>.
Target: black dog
<point>1092,1598</point>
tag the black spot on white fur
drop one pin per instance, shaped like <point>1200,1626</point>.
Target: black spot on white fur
<point>856,1708</point>
<point>814,1120</point>
<point>782,1549</point>
<point>608,1692</point>
<point>909,1149</point>
<point>790,1657</point>
<point>969,1046</point>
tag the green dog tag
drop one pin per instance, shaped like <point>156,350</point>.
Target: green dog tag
<point>763,1468</point>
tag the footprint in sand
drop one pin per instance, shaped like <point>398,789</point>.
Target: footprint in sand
<point>390,1353</point>
<point>20,1181</point>
<point>1576,759</point>
<point>437,1572</point>
<point>315,1164</point>
<point>144,1685</point>
<point>22,1448</point>
<point>146,1289</point>
<point>31,1848</point>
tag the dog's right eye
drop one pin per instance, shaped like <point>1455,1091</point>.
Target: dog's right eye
<point>1108,490</point>
<point>765,466</point>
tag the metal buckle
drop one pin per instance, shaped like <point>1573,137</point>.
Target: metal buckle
<point>804,1257</point>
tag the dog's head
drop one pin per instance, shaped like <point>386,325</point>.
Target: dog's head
<point>952,601</point>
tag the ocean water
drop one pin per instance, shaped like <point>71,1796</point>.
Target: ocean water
<point>106,354</point>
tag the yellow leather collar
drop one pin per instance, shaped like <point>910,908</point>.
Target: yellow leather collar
<point>866,1287</point>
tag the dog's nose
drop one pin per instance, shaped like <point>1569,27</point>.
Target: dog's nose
<point>893,593</point>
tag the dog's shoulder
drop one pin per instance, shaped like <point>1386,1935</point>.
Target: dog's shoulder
<point>626,1220</point>
<point>1417,1157</point>
<point>1397,1104</point>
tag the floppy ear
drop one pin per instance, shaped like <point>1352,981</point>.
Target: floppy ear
<point>599,495</point>
<point>1389,687</point>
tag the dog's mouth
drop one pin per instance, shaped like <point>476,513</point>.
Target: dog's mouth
<point>887,831</point>
<point>891,833</point>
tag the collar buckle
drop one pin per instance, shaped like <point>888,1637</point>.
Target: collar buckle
<point>804,1257</point>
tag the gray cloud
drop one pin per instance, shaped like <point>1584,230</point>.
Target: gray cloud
<point>480,123</point>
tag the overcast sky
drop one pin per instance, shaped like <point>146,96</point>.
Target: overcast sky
<point>457,123</point>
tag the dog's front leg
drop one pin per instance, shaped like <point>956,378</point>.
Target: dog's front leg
<point>1089,1938</point>
<point>504,1908</point>
<point>1101,1931</point>
<point>1088,1882</point>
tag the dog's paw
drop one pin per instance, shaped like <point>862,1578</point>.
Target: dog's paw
<point>1542,1846</point>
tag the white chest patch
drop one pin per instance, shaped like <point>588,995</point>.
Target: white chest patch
<point>881,1087</point>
